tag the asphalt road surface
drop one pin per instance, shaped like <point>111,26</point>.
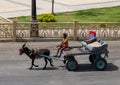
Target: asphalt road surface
<point>14,68</point>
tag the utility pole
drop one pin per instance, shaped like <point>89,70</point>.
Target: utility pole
<point>34,27</point>
<point>34,10</point>
<point>52,7</point>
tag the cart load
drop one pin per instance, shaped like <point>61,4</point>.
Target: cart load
<point>95,46</point>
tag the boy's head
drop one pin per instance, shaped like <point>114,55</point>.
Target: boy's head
<point>64,35</point>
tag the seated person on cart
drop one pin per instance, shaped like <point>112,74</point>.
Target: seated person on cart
<point>95,45</point>
<point>63,45</point>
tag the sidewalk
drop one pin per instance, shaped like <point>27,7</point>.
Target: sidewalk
<point>80,2</point>
<point>14,8</point>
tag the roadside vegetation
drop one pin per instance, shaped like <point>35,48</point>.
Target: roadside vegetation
<point>107,14</point>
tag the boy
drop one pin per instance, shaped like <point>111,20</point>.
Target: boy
<point>63,45</point>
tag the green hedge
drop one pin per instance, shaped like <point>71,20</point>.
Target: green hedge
<point>46,18</point>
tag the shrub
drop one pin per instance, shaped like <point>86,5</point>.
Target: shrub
<point>46,18</point>
<point>103,25</point>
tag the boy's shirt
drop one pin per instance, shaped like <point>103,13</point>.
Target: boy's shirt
<point>65,42</point>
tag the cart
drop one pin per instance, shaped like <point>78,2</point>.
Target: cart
<point>97,55</point>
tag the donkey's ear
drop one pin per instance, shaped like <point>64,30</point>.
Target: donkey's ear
<point>23,45</point>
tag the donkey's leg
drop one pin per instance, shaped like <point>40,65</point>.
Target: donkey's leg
<point>50,60</point>
<point>45,59</point>
<point>32,63</point>
<point>35,65</point>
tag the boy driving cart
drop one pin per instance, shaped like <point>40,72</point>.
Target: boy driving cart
<point>63,45</point>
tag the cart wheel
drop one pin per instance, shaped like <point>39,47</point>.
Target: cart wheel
<point>66,58</point>
<point>72,65</point>
<point>100,64</point>
<point>94,57</point>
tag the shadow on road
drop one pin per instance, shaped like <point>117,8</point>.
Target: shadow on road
<point>47,68</point>
<point>89,67</point>
<point>83,68</point>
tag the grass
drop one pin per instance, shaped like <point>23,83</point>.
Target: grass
<point>22,19</point>
<point>107,14</point>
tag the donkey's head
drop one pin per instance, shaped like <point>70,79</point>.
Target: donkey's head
<point>23,49</point>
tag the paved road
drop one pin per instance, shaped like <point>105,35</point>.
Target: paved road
<point>14,8</point>
<point>14,68</point>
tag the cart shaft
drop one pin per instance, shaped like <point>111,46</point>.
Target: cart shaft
<point>52,57</point>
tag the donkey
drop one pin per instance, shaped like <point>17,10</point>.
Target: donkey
<point>33,55</point>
